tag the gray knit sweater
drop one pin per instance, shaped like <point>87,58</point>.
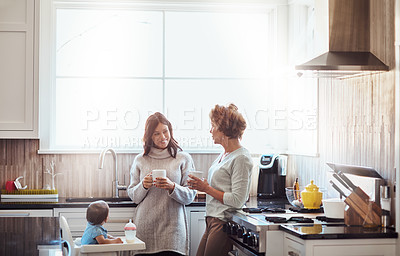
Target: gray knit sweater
<point>160,217</point>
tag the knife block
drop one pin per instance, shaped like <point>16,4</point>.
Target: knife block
<point>351,218</point>
<point>361,210</point>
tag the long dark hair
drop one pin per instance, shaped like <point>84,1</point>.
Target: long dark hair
<point>151,124</point>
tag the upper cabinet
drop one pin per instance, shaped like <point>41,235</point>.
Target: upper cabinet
<point>18,69</point>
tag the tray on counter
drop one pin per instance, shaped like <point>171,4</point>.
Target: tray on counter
<point>29,195</point>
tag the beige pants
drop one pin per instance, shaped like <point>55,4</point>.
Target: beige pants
<point>214,241</point>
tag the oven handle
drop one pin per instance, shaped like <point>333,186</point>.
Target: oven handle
<point>244,250</point>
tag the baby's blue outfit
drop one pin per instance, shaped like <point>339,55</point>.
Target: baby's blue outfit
<point>91,232</point>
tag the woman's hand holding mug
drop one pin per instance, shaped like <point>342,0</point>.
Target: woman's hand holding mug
<point>199,184</point>
<point>148,181</point>
<point>160,180</point>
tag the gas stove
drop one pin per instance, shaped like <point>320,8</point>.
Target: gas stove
<point>265,210</point>
<point>326,220</point>
<point>294,220</point>
<point>304,210</point>
<point>256,230</point>
<point>272,209</point>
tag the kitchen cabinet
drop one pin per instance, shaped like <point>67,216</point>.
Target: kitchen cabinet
<point>30,236</point>
<point>197,225</point>
<point>76,218</point>
<point>274,243</point>
<point>18,69</point>
<point>26,213</point>
<point>294,246</point>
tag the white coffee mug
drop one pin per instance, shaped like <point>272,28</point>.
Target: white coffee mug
<point>159,173</point>
<point>197,174</point>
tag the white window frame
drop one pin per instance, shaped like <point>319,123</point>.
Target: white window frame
<point>47,56</point>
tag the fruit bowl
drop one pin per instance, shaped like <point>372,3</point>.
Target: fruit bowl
<point>296,201</point>
<point>294,197</point>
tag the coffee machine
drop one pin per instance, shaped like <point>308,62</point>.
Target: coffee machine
<point>272,176</point>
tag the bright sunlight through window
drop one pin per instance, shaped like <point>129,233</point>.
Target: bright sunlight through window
<point>115,65</point>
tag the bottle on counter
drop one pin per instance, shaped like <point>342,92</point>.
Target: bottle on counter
<point>130,231</point>
<point>296,189</point>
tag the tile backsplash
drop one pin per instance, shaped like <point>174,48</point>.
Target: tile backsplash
<point>79,173</point>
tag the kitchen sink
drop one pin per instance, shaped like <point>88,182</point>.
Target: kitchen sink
<point>92,199</point>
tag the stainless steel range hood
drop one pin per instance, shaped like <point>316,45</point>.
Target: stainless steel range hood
<point>345,61</point>
<point>348,36</point>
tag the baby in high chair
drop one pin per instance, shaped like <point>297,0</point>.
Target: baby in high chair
<point>95,233</point>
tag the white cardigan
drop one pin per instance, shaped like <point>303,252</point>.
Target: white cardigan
<point>232,176</point>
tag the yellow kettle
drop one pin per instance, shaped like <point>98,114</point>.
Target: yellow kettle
<point>311,196</point>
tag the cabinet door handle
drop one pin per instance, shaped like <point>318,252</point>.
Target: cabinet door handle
<point>292,253</point>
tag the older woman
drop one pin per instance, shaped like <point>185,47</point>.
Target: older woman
<point>228,183</point>
<point>160,214</point>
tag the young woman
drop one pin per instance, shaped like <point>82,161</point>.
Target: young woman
<point>228,183</point>
<point>160,215</point>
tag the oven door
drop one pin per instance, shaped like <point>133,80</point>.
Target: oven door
<point>240,249</point>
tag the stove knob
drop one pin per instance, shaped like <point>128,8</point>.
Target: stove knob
<point>245,235</point>
<point>228,228</point>
<point>250,239</point>
<point>235,228</point>
<point>240,232</point>
<point>245,238</point>
<point>255,240</point>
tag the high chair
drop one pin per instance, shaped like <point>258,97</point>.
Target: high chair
<point>76,249</point>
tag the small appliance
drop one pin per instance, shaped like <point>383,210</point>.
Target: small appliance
<point>272,176</point>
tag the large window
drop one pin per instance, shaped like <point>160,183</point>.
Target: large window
<point>117,62</point>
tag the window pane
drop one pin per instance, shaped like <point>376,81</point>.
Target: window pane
<point>207,44</point>
<point>109,43</point>
<point>95,113</point>
<point>116,66</point>
<point>261,102</point>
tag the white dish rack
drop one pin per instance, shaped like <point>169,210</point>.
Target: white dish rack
<point>30,196</point>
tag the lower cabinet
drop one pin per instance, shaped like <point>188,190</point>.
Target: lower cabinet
<point>274,243</point>
<point>27,213</point>
<point>294,246</point>
<point>197,225</point>
<point>76,218</point>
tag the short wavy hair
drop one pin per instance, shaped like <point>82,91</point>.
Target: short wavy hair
<point>97,212</point>
<point>228,120</point>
